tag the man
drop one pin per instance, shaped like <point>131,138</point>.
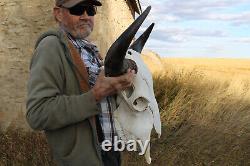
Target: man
<point>68,95</point>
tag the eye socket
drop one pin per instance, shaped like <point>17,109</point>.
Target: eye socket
<point>140,104</point>
<point>135,102</point>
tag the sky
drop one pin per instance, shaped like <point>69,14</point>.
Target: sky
<point>199,28</point>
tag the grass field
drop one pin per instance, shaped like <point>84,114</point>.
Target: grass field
<point>229,69</point>
<point>205,110</point>
<point>205,113</point>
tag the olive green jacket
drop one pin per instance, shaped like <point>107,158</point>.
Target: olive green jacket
<point>57,105</point>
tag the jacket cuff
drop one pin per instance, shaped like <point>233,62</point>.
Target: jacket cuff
<point>88,106</point>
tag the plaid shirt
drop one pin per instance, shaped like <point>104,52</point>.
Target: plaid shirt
<point>89,55</point>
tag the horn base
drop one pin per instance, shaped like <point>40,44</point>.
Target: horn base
<point>127,64</point>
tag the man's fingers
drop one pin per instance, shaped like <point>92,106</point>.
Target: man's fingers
<point>125,81</point>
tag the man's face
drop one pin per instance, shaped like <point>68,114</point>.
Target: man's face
<point>79,26</point>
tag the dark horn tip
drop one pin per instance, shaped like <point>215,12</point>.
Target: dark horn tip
<point>149,7</point>
<point>140,42</point>
<point>115,56</point>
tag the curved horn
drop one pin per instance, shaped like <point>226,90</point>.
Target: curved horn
<point>140,42</point>
<point>114,59</point>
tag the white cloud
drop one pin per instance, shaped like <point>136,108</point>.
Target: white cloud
<point>235,19</point>
<point>242,40</point>
<point>183,34</point>
<point>214,49</point>
<point>177,10</point>
<point>199,26</point>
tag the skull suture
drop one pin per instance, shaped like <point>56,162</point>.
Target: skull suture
<point>137,112</point>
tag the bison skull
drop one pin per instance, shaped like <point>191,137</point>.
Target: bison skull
<point>137,112</point>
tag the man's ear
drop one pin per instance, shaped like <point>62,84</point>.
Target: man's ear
<point>57,14</point>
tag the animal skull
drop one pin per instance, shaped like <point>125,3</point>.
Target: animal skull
<point>137,112</point>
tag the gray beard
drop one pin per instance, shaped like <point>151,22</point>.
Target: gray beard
<point>78,34</point>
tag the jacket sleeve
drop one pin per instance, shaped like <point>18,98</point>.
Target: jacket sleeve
<point>47,107</point>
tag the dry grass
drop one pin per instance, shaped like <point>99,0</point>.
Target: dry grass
<point>205,122</point>
<point>19,147</point>
<point>213,68</point>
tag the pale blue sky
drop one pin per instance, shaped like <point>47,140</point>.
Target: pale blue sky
<point>199,28</point>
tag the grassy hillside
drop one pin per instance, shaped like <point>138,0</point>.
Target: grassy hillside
<point>213,68</point>
<point>205,110</point>
<point>206,121</point>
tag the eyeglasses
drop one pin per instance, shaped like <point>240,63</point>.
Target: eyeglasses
<point>78,10</point>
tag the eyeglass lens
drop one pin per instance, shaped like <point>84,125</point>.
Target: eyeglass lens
<point>80,9</point>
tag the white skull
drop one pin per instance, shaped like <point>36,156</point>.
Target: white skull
<point>138,110</point>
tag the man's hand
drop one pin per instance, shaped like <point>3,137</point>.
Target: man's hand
<point>106,86</point>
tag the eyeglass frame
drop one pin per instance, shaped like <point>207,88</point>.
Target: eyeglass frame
<point>83,5</point>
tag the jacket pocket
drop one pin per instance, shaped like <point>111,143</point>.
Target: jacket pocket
<point>62,141</point>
